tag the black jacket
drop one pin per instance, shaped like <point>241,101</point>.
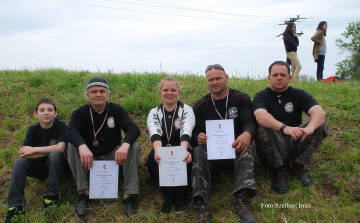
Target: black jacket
<point>291,42</point>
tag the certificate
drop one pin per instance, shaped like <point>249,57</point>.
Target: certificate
<point>104,175</point>
<point>220,135</point>
<point>172,168</point>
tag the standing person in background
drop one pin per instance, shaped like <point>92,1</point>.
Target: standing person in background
<point>319,49</point>
<point>291,43</point>
<point>171,123</point>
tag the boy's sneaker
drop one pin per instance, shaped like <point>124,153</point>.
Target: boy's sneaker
<point>181,204</point>
<point>166,207</point>
<point>81,208</point>
<point>14,214</point>
<point>50,201</point>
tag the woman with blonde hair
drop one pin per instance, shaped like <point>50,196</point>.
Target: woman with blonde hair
<point>170,124</point>
<point>291,43</point>
<point>319,49</point>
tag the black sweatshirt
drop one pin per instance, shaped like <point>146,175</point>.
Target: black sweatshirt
<point>80,129</point>
<point>239,108</point>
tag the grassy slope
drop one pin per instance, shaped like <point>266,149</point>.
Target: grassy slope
<point>334,195</point>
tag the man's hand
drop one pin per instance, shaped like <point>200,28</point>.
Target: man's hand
<point>306,131</point>
<point>295,132</point>
<point>202,138</point>
<point>187,158</point>
<point>86,157</point>
<point>121,153</point>
<point>242,142</point>
<point>26,151</point>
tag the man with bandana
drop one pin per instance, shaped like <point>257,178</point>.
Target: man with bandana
<point>94,133</point>
<point>223,103</point>
<point>282,139</point>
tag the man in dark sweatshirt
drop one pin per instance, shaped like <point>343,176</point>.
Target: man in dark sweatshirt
<point>94,133</point>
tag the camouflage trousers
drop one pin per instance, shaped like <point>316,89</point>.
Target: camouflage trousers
<point>202,168</point>
<point>278,149</point>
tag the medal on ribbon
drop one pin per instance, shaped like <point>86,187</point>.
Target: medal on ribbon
<point>95,142</point>
<point>168,135</point>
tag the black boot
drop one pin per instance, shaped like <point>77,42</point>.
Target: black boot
<point>129,204</point>
<point>300,174</point>
<point>278,183</point>
<point>82,207</point>
<point>242,208</point>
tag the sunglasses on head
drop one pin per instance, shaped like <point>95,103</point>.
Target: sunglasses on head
<point>216,66</point>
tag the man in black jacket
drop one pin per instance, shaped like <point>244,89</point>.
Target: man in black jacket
<point>94,133</point>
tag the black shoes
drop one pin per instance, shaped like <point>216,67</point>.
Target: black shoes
<point>14,214</point>
<point>299,172</point>
<point>203,213</point>
<point>181,204</point>
<point>242,208</point>
<point>81,208</point>
<point>278,183</point>
<point>166,206</point>
<point>129,204</point>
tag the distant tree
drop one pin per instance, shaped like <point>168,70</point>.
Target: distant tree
<point>350,67</point>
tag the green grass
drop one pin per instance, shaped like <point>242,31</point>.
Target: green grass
<point>334,195</point>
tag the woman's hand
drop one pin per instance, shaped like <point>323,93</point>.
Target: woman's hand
<point>157,158</point>
<point>187,158</point>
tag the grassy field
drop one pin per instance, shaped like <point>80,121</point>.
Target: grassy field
<point>334,195</point>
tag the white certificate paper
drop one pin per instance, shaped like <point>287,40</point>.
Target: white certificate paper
<point>220,135</point>
<point>104,175</point>
<point>172,168</point>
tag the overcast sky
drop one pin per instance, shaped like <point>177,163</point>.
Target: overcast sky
<point>169,36</point>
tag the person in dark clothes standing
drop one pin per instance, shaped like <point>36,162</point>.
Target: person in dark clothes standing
<point>94,133</point>
<point>291,43</point>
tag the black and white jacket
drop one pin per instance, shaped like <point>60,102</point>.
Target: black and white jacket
<point>184,122</point>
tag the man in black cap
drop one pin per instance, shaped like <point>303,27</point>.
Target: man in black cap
<point>282,139</point>
<point>94,133</point>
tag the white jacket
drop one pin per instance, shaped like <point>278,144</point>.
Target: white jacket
<point>185,114</point>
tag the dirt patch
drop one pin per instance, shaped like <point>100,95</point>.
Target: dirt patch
<point>329,188</point>
<point>4,141</point>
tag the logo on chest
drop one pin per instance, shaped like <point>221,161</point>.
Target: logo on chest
<point>177,123</point>
<point>289,107</point>
<point>53,142</point>
<point>233,112</point>
<point>111,122</point>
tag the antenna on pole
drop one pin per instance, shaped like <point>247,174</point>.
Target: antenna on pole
<point>292,20</point>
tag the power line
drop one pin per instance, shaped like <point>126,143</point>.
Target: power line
<point>158,13</point>
<point>253,50</point>
<point>162,5</point>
